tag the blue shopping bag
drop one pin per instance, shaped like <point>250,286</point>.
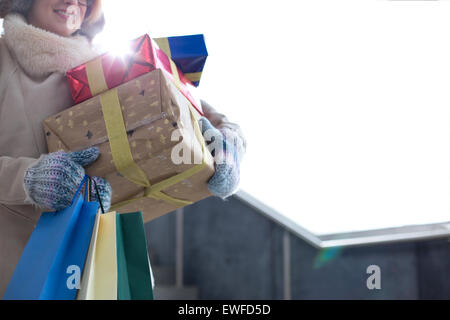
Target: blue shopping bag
<point>55,253</point>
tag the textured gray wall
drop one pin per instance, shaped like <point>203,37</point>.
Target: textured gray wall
<point>233,252</point>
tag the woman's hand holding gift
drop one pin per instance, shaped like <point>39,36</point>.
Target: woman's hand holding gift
<point>227,149</point>
<point>53,181</point>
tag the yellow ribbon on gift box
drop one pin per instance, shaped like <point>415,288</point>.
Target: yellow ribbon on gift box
<point>120,147</point>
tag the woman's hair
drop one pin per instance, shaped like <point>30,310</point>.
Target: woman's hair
<point>94,20</point>
<point>94,11</point>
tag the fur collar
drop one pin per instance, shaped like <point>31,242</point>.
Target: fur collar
<point>40,52</point>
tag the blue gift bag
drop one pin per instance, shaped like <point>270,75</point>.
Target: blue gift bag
<point>52,262</point>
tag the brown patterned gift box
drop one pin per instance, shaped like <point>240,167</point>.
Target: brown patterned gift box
<point>156,117</point>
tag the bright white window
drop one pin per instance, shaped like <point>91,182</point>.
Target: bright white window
<point>345,104</point>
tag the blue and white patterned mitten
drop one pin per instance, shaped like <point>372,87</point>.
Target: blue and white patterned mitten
<point>225,147</point>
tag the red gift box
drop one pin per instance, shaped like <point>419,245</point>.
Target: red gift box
<point>146,56</point>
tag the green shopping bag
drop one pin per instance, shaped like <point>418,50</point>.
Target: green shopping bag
<point>133,265</point>
<point>118,265</point>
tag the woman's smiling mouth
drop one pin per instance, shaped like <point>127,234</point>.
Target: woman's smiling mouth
<point>63,14</point>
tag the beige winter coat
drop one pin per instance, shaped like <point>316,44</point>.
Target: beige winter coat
<point>33,88</point>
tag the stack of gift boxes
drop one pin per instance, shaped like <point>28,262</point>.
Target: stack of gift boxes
<point>139,112</point>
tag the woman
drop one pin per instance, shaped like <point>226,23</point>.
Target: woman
<point>42,40</point>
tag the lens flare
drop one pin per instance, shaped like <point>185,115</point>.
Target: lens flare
<point>325,256</point>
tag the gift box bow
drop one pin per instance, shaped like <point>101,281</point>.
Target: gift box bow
<point>145,57</point>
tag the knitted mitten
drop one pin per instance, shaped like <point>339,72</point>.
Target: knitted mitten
<point>104,188</point>
<point>53,181</point>
<point>224,147</point>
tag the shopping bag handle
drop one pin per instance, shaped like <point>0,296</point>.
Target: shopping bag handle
<point>98,194</point>
<point>83,182</point>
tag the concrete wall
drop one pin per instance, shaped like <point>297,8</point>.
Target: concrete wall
<point>233,252</point>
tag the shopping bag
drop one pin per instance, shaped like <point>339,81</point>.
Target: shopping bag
<point>52,262</point>
<point>133,264</point>
<point>117,266</point>
<point>99,279</point>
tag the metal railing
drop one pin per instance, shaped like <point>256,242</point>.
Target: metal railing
<point>388,235</point>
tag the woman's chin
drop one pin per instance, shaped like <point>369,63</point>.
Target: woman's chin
<point>62,30</point>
